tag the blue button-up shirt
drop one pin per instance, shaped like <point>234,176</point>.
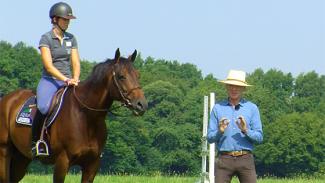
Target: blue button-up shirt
<point>233,139</point>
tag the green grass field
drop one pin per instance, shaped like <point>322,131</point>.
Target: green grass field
<point>157,179</point>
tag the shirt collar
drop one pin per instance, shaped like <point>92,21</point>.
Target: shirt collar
<point>52,34</point>
<point>65,35</point>
<point>241,102</point>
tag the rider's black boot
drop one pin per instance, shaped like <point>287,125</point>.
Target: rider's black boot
<point>36,130</point>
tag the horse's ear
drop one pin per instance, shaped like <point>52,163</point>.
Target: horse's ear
<point>117,55</point>
<point>134,55</point>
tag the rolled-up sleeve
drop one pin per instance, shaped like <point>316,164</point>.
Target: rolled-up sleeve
<point>255,132</point>
<point>213,133</point>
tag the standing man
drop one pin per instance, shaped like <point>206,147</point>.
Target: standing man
<point>234,126</point>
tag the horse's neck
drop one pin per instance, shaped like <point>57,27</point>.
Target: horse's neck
<point>95,96</point>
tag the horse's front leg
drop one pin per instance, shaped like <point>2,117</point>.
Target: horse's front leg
<point>61,168</point>
<point>4,163</point>
<point>89,171</point>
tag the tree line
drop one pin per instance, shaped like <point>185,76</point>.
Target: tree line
<point>167,139</point>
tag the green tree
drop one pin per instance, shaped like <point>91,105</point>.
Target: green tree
<point>294,144</point>
<point>309,89</point>
<point>272,92</point>
<point>20,67</point>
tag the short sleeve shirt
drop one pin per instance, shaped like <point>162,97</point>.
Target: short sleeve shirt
<point>61,54</point>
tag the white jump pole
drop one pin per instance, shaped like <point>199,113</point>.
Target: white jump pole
<point>204,174</point>
<point>212,146</point>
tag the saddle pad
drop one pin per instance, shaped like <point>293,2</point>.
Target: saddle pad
<point>27,112</point>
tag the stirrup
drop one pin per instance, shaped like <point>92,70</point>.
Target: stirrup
<point>41,148</point>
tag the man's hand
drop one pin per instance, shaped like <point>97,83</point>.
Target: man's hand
<point>241,123</point>
<point>223,124</point>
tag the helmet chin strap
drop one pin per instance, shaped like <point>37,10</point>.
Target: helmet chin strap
<point>55,23</point>
<point>60,28</point>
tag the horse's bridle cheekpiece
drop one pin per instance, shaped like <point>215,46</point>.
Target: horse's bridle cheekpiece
<point>125,94</point>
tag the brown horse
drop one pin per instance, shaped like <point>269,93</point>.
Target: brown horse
<point>78,134</point>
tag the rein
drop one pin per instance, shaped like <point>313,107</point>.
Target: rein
<point>84,105</point>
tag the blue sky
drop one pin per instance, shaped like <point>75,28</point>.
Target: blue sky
<point>214,35</point>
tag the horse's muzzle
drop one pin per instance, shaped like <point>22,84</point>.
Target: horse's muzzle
<point>139,106</point>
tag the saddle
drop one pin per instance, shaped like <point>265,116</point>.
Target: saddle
<point>27,113</point>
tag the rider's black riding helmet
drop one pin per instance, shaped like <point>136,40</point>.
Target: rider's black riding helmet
<point>62,10</point>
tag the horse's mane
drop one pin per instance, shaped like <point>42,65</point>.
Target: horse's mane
<point>100,70</point>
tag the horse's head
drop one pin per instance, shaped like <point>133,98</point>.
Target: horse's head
<point>126,81</point>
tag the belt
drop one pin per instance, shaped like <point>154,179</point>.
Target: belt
<point>235,153</point>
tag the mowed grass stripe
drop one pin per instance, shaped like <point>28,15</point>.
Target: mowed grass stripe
<point>71,178</point>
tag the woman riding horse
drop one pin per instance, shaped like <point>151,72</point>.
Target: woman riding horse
<point>59,50</point>
<point>78,134</point>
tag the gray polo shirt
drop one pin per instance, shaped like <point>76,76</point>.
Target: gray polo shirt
<point>61,54</point>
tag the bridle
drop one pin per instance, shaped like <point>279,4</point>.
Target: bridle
<point>124,94</point>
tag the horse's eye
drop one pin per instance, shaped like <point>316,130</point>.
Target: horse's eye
<point>121,77</point>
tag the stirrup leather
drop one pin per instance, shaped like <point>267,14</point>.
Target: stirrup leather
<point>40,146</point>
